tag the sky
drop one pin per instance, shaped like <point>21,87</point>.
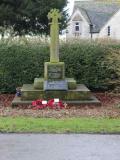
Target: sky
<point>70,6</point>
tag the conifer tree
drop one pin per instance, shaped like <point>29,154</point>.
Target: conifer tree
<point>29,16</point>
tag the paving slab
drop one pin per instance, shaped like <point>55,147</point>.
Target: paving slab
<point>59,147</point>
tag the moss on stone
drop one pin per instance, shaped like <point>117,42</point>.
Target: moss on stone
<point>71,83</point>
<point>54,71</point>
<point>29,93</point>
<point>38,83</point>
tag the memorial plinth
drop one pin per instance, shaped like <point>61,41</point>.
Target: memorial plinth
<point>55,84</point>
<point>54,71</point>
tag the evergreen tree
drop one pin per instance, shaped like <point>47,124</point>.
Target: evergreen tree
<point>29,16</point>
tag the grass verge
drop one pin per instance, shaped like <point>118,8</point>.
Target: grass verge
<point>50,125</point>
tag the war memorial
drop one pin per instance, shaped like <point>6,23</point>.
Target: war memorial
<point>55,84</point>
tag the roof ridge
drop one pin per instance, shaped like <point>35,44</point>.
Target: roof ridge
<point>97,14</point>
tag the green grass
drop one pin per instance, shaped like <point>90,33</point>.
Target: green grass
<point>49,125</point>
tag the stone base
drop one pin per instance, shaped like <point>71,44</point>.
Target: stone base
<point>39,83</point>
<point>72,84</point>
<point>80,95</point>
<point>92,101</point>
<point>29,93</point>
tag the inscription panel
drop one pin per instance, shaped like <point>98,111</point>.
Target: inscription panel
<point>55,72</point>
<point>56,85</point>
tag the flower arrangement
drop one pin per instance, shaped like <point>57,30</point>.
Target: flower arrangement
<point>38,104</point>
<point>51,104</point>
<point>18,91</point>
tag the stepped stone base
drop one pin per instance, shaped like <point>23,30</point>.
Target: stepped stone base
<point>92,101</point>
<point>29,93</point>
<point>39,83</point>
<point>80,95</point>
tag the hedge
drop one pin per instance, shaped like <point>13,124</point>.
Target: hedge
<point>91,63</point>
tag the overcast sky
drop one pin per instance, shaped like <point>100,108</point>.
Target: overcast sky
<point>70,5</point>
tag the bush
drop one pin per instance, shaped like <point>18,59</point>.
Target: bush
<point>95,64</point>
<point>88,62</point>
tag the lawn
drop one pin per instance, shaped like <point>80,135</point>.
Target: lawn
<point>75,119</point>
<point>52,125</point>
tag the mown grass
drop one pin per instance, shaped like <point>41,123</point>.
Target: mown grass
<point>50,125</point>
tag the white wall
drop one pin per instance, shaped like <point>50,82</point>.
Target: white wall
<point>84,27</point>
<point>114,24</point>
<point>95,35</point>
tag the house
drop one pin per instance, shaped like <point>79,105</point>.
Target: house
<point>94,19</point>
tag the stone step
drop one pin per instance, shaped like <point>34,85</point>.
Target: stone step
<point>80,93</point>
<point>92,101</point>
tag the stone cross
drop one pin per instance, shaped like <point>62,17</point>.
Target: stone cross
<point>54,15</point>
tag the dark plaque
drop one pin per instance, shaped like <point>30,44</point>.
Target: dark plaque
<point>55,72</point>
<point>56,85</point>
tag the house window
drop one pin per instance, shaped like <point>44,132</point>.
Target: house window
<point>67,31</point>
<point>77,27</point>
<point>109,30</point>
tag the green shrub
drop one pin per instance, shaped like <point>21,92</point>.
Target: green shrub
<point>19,64</point>
<point>87,62</point>
<point>94,63</point>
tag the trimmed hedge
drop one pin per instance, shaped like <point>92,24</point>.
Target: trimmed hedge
<point>87,62</point>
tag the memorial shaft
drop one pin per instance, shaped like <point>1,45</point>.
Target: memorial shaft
<point>54,15</point>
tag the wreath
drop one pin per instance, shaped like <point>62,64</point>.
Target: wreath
<point>51,104</point>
